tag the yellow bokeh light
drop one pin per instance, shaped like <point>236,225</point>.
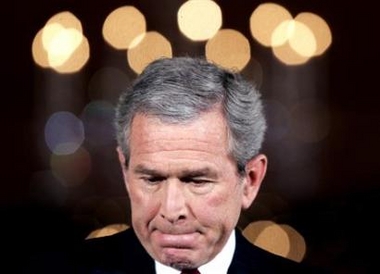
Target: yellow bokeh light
<point>298,245</point>
<point>122,26</point>
<point>253,230</point>
<point>76,60</point>
<point>61,45</point>
<point>107,230</point>
<point>320,29</point>
<point>282,239</point>
<point>281,33</point>
<point>287,55</point>
<point>229,48</point>
<point>151,46</point>
<point>39,54</point>
<point>199,20</point>
<point>49,32</point>
<point>274,239</point>
<point>302,39</point>
<point>265,19</point>
<point>67,20</point>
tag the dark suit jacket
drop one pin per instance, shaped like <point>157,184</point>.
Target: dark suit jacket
<point>123,253</point>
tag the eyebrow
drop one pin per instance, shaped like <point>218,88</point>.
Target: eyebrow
<point>141,169</point>
<point>187,173</point>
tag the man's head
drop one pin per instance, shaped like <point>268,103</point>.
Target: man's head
<point>189,136</point>
<point>179,89</point>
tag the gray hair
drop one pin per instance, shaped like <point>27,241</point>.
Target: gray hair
<point>179,89</point>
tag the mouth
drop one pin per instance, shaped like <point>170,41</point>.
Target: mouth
<point>176,240</point>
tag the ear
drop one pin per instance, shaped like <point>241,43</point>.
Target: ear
<point>123,165</point>
<point>255,171</point>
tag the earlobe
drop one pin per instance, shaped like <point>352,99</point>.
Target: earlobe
<point>255,171</point>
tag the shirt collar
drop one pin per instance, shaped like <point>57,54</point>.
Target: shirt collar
<point>221,262</point>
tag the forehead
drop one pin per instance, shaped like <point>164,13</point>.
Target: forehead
<point>208,131</point>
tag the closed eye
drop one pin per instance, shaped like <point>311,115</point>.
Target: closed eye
<point>195,181</point>
<point>152,180</point>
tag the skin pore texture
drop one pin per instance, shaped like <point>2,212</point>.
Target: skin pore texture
<point>186,194</point>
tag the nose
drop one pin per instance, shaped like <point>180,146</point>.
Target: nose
<point>173,205</point>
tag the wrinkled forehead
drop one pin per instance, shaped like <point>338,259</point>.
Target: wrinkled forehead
<point>209,128</point>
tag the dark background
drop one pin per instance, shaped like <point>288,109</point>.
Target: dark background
<point>338,218</point>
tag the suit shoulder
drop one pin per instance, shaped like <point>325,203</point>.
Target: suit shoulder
<point>249,258</point>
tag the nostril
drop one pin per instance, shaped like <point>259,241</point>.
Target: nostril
<point>172,218</point>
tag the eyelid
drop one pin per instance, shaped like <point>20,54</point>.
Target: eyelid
<point>152,179</point>
<point>195,180</point>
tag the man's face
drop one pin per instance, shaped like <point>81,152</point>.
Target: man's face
<point>186,195</point>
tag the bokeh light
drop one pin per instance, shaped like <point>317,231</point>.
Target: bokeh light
<point>199,20</point>
<point>282,240</point>
<point>298,244</point>
<point>107,230</point>
<point>265,19</point>
<point>229,48</point>
<point>320,29</point>
<point>76,60</point>
<point>64,133</point>
<point>67,20</point>
<point>122,26</point>
<point>288,56</point>
<point>302,39</point>
<point>150,47</point>
<point>40,56</point>
<point>61,45</point>
<point>269,236</point>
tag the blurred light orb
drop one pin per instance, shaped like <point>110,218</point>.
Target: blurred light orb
<point>298,244</point>
<point>107,230</point>
<point>281,33</point>
<point>67,20</point>
<point>274,239</point>
<point>282,240</point>
<point>199,20</point>
<point>302,39</point>
<point>64,133</point>
<point>122,26</point>
<point>60,44</point>
<point>287,55</point>
<point>76,60</point>
<point>229,48</point>
<point>320,29</point>
<point>40,55</point>
<point>265,19</point>
<point>150,47</point>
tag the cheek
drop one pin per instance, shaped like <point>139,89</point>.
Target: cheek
<point>143,206</point>
<point>221,205</point>
<point>227,196</point>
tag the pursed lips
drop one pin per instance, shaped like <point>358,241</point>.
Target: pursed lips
<point>176,239</point>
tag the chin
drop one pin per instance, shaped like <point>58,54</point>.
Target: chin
<point>179,260</point>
